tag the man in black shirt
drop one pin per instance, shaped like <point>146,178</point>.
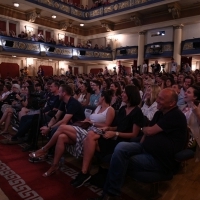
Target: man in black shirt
<point>165,136</point>
<point>70,108</point>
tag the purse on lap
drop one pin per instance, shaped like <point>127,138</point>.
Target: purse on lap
<point>83,125</point>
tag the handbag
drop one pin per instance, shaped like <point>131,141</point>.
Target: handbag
<point>83,125</point>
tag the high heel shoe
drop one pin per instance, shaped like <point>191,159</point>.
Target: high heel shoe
<point>38,153</point>
<point>38,156</point>
<point>52,170</point>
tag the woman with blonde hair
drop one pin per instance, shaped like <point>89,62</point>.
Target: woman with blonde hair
<point>150,105</point>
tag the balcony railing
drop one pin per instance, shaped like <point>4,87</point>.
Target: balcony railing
<point>23,46</point>
<point>101,11</point>
<point>126,52</point>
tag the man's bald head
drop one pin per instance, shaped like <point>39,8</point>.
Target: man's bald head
<point>167,99</point>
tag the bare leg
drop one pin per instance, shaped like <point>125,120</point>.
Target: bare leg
<point>60,148</point>
<point>7,121</point>
<point>89,146</point>
<point>3,118</point>
<point>68,130</point>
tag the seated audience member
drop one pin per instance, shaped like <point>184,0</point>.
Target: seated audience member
<point>150,105</point>
<point>108,47</point>
<point>27,120</point>
<point>105,85</point>
<point>6,92</point>
<point>168,83</point>
<point>40,37</point>
<point>192,113</point>
<point>96,46</point>
<point>69,107</point>
<point>165,136</point>
<point>84,96</point>
<point>14,102</point>
<point>94,98</point>
<point>34,38</point>
<point>74,136</point>
<point>116,98</point>
<point>181,79</point>
<point>188,81</point>
<point>129,123</point>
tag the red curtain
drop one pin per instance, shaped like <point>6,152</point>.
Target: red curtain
<point>76,1</point>
<point>66,39</point>
<point>96,70</point>
<point>71,40</point>
<point>48,36</point>
<point>75,70</point>
<point>9,70</point>
<point>3,25</point>
<point>12,27</point>
<point>48,70</point>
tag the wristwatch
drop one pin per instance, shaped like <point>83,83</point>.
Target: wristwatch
<point>116,134</point>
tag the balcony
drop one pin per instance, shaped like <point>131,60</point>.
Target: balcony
<point>22,46</point>
<point>105,10</point>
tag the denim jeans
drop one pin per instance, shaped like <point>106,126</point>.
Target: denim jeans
<point>120,163</point>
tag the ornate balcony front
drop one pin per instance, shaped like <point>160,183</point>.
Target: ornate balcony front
<point>23,46</point>
<point>112,8</point>
<point>127,52</point>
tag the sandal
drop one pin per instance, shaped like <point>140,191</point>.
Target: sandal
<point>39,153</point>
<point>52,170</point>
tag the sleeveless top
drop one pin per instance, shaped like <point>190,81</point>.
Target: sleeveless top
<point>99,117</point>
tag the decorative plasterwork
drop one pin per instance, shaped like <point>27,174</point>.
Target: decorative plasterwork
<point>65,24</point>
<point>108,25</point>
<point>175,10</point>
<point>136,19</point>
<point>32,15</point>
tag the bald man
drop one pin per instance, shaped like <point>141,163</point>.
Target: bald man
<point>165,136</point>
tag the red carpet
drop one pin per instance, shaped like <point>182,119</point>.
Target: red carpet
<point>20,179</point>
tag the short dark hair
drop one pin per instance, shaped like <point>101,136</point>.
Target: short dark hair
<point>196,88</point>
<point>107,94</point>
<point>98,83</point>
<point>67,89</point>
<point>56,83</point>
<point>189,77</point>
<point>117,85</point>
<point>133,95</point>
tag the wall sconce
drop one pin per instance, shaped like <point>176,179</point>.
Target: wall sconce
<point>29,29</point>
<point>113,38</point>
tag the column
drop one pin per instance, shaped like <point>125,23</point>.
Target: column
<point>7,26</point>
<point>177,44</point>
<point>141,48</point>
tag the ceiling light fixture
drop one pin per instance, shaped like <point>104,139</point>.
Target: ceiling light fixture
<point>16,5</point>
<point>53,16</point>
<point>14,56</point>
<point>81,24</point>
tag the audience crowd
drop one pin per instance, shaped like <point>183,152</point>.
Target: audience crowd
<point>141,119</point>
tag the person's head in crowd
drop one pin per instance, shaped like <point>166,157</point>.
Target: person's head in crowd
<point>176,88</point>
<point>47,86</point>
<point>180,79</point>
<point>159,80</point>
<point>192,94</point>
<point>131,96</point>
<point>84,88</point>
<point>25,91</point>
<point>54,87</point>
<point>7,87</point>
<point>198,78</point>
<point>188,81</point>
<point>65,92</point>
<point>38,87</point>
<point>136,83</point>
<point>15,82</point>
<point>175,78</point>
<point>106,96</point>
<point>16,88</point>
<point>152,94</point>
<point>116,88</point>
<point>168,83</point>
<point>95,85</point>
<point>72,85</point>
<point>106,84</point>
<point>166,100</point>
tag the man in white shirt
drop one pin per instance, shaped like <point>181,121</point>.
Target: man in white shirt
<point>173,66</point>
<point>144,68</point>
